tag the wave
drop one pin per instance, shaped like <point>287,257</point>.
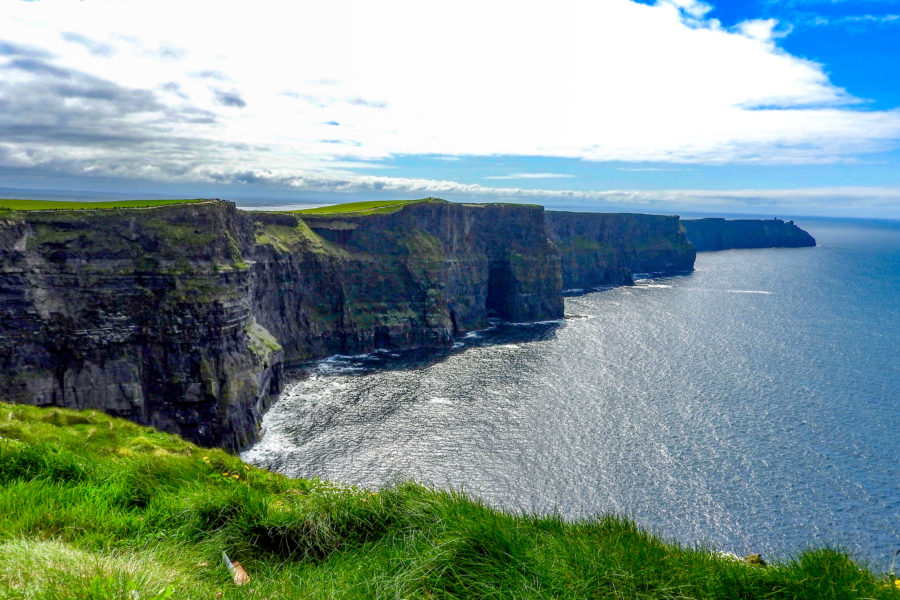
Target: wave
<point>534,323</point>
<point>765,292</point>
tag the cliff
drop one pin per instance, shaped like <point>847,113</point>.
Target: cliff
<point>417,276</point>
<point>722,234</point>
<point>598,249</point>
<point>180,316</point>
<point>143,313</point>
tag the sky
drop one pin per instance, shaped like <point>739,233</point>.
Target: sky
<point>765,107</point>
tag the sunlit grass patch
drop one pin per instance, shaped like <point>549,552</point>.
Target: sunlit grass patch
<point>38,568</point>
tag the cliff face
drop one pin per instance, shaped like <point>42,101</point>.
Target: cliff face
<point>721,234</point>
<point>415,277</point>
<point>599,249</point>
<point>175,316</point>
<point>142,313</point>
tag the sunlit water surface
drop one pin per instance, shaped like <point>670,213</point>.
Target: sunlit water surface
<point>751,406</point>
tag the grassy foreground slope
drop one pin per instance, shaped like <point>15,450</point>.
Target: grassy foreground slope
<point>96,507</point>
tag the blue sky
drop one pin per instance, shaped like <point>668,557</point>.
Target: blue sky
<point>763,107</point>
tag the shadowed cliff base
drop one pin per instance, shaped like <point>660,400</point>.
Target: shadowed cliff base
<point>384,359</point>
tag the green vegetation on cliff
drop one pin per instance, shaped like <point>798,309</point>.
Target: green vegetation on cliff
<point>96,507</point>
<point>66,205</point>
<point>293,238</point>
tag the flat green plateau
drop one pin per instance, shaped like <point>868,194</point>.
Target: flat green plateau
<point>367,208</point>
<point>97,507</point>
<point>66,205</point>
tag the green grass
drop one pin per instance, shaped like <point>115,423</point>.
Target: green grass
<point>66,205</point>
<point>95,507</point>
<point>363,208</point>
<point>293,239</point>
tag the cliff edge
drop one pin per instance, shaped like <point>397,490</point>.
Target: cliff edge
<point>413,277</point>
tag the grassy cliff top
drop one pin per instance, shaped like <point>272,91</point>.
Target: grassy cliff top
<point>66,205</point>
<point>97,507</point>
<point>389,206</point>
<point>364,208</point>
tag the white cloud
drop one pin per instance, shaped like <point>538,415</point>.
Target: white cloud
<point>531,176</point>
<point>762,30</point>
<point>855,20</point>
<point>595,80</point>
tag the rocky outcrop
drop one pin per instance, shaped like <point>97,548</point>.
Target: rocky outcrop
<point>142,313</point>
<point>722,234</point>
<point>600,249</point>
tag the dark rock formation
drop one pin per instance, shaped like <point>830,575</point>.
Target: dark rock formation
<point>722,234</point>
<point>598,249</point>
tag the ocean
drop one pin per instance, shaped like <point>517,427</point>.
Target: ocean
<point>750,406</point>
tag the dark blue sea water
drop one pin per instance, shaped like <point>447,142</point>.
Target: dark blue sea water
<point>752,406</point>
